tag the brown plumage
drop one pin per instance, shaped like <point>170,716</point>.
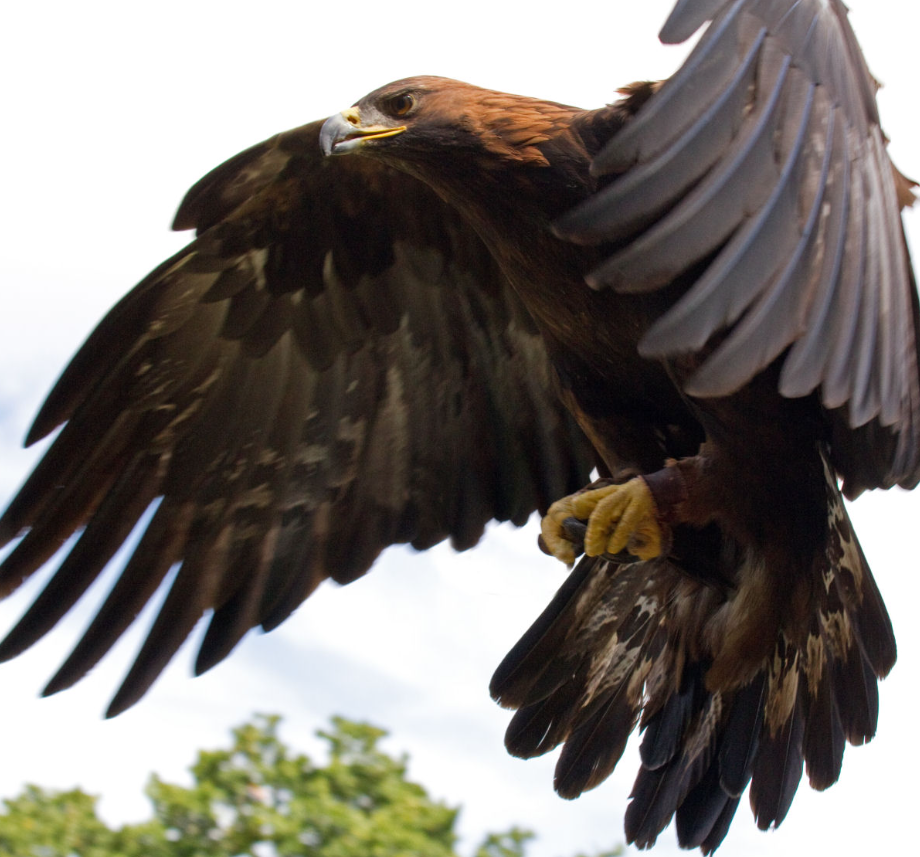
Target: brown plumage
<point>399,347</point>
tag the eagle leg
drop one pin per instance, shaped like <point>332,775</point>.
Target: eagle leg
<point>619,517</point>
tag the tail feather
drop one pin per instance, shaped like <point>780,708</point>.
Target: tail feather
<point>664,731</point>
<point>778,769</point>
<point>657,794</point>
<point>525,673</point>
<point>853,596</point>
<point>719,830</point>
<point>627,645</point>
<point>741,738</point>
<point>872,625</point>
<point>650,807</point>
<point>594,748</point>
<point>547,672</point>
<point>824,739</point>
<point>856,692</point>
<point>699,816</point>
<point>542,726</point>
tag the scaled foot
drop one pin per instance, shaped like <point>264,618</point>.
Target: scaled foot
<point>619,517</point>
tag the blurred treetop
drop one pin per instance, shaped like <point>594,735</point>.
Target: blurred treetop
<point>261,799</point>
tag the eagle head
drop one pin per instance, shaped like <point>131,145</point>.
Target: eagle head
<point>384,115</point>
<point>416,119</point>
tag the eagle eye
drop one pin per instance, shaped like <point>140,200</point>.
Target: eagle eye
<point>400,105</point>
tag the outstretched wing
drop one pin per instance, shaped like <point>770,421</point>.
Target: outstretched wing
<point>335,364</point>
<point>760,170</point>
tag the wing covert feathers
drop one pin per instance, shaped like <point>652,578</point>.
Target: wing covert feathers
<point>332,366</point>
<point>626,645</point>
<point>759,172</point>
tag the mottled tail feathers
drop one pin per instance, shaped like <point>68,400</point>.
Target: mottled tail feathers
<point>625,645</point>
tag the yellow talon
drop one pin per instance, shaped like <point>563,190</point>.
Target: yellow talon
<point>625,517</point>
<point>553,533</point>
<point>619,517</point>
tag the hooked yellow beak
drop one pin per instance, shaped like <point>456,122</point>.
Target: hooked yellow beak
<point>343,133</point>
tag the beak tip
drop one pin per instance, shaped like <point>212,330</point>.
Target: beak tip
<point>335,129</point>
<point>343,133</point>
<point>327,137</point>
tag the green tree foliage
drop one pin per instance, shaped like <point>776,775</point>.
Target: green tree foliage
<point>260,799</point>
<point>42,823</point>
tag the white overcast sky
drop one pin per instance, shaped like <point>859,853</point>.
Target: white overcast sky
<point>110,111</point>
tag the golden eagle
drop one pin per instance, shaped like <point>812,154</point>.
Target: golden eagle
<point>399,347</point>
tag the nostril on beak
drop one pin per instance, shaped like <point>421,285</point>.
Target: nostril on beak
<point>352,115</point>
